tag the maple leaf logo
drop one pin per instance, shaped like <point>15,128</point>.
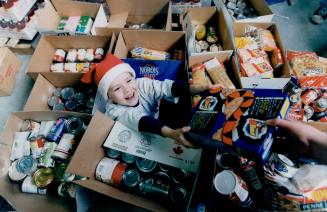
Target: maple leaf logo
<point>178,150</point>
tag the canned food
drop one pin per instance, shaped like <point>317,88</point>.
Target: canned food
<point>128,158</point>
<point>67,189</point>
<point>284,166</point>
<point>57,130</point>
<point>308,112</point>
<point>296,91</point>
<point>164,167</point>
<point>45,160</point>
<point>28,186</point>
<point>53,100</point>
<point>250,173</point>
<point>110,171</point>
<point>58,107</point>
<point>320,105</point>
<point>20,146</point>
<point>65,145</point>
<point>75,125</point>
<point>43,177</point>
<point>131,177</point>
<point>35,131</point>
<point>26,165</point>
<point>226,160</point>
<point>57,92</point>
<point>70,105</point>
<point>61,175</point>
<point>179,175</point>
<point>309,96</point>
<point>295,101</point>
<point>112,153</point>
<point>37,146</point>
<point>145,165</point>
<point>79,97</point>
<point>59,56</point>
<point>14,174</point>
<point>149,188</point>
<point>229,184</point>
<point>90,102</point>
<point>45,128</point>
<point>29,125</point>
<point>178,195</point>
<point>162,178</point>
<point>67,93</point>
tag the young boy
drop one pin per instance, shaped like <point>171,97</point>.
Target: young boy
<point>135,102</point>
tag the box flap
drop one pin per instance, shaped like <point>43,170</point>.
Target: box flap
<point>100,20</point>
<point>221,56</point>
<point>117,20</point>
<point>121,50</point>
<point>169,18</point>
<point>47,18</point>
<point>75,8</point>
<point>201,15</point>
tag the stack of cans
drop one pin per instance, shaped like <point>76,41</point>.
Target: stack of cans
<point>40,154</point>
<point>72,99</point>
<point>240,9</point>
<point>146,177</point>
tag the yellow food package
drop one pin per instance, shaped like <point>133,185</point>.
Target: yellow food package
<point>199,75</point>
<point>267,40</point>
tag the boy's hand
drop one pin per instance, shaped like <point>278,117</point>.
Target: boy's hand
<point>177,135</point>
<point>198,88</point>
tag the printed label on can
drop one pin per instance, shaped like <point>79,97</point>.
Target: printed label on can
<point>110,171</point>
<point>21,146</point>
<point>64,146</point>
<point>37,146</point>
<point>29,187</point>
<point>45,128</point>
<point>35,130</point>
<point>14,174</point>
<point>45,159</point>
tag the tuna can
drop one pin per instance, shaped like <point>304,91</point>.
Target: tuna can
<point>149,188</point>
<point>56,92</point>
<point>179,175</point>
<point>28,186</point>
<point>110,171</point>
<point>59,107</point>
<point>45,160</point>
<point>37,146</point>
<point>79,97</point>
<point>70,105</point>
<point>14,174</point>
<point>28,125</point>
<point>57,130</point>
<point>226,160</point>
<point>43,177</point>
<point>61,175</point>
<point>45,128</point>
<point>75,125</point>
<point>26,165</point>
<point>295,101</point>
<point>308,112</point>
<point>178,195</point>
<point>284,166</point>
<point>229,184</point>
<point>309,96</point>
<point>131,177</point>
<point>112,153</point>
<point>164,167</point>
<point>67,190</point>
<point>67,93</point>
<point>162,178</point>
<point>128,158</point>
<point>52,100</point>
<point>65,145</point>
<point>320,105</point>
<point>145,165</point>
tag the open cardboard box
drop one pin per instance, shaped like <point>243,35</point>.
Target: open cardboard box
<point>9,66</point>
<point>282,75</point>
<point>92,146</point>
<point>11,190</point>
<point>44,52</point>
<point>265,15</point>
<point>156,13</point>
<point>208,16</point>
<point>49,17</point>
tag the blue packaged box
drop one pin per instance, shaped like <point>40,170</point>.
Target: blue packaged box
<point>237,118</point>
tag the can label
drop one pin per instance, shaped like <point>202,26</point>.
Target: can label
<point>45,159</point>
<point>21,146</point>
<point>67,190</point>
<point>14,174</point>
<point>45,128</point>
<point>29,187</point>
<point>110,171</point>
<point>37,146</point>
<point>309,96</point>
<point>57,130</point>
<point>35,130</point>
<point>65,145</point>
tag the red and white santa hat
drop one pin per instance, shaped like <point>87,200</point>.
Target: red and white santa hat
<point>104,74</point>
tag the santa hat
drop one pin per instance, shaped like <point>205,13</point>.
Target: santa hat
<point>104,74</point>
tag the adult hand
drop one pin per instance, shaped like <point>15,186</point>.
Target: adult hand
<point>178,135</point>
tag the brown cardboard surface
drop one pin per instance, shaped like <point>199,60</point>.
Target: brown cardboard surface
<point>91,145</point>
<point>11,191</point>
<point>9,66</point>
<point>42,58</point>
<point>221,56</point>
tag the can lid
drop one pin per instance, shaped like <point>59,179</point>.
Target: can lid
<point>43,177</point>
<point>26,164</point>
<point>131,177</point>
<point>164,167</point>
<point>178,195</point>
<point>322,103</point>
<point>179,175</point>
<point>285,160</point>
<point>145,165</point>
<point>128,158</point>
<point>60,171</point>
<point>25,126</point>
<point>112,153</point>
<point>225,182</point>
<point>14,174</point>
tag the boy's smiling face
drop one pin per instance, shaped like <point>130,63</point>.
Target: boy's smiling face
<point>124,90</point>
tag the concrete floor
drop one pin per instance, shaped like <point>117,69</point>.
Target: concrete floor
<point>297,33</point>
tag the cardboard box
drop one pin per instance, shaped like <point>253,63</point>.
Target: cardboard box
<point>11,191</point>
<point>281,76</point>
<point>265,15</point>
<point>18,11</point>
<point>44,52</point>
<point>48,17</point>
<point>9,67</point>
<point>156,13</point>
<point>208,16</point>
<point>92,146</point>
<point>178,7</point>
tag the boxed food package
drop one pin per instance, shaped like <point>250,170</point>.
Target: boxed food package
<point>10,190</point>
<point>178,7</point>
<point>138,14</point>
<point>17,11</point>
<point>53,18</point>
<point>68,95</point>
<point>9,66</point>
<point>248,10</point>
<point>206,30</point>
<point>272,73</point>
<point>58,56</point>
<point>92,145</point>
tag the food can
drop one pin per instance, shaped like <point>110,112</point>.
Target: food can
<point>90,102</point>
<point>99,52</point>
<point>145,165</point>
<point>59,107</point>
<point>14,174</point>
<point>320,105</point>
<point>308,112</point>
<point>67,190</point>
<point>45,128</point>
<point>229,184</point>
<point>128,158</point>
<point>309,96</point>
<point>112,153</point>
<point>226,160</point>
<point>56,92</point>
<point>59,56</point>
<point>179,175</point>
<point>131,177</point>
<point>53,100</point>
<point>35,131</point>
<point>79,97</point>
<point>110,171</point>
<point>67,93</point>
<point>75,125</point>
<point>250,173</point>
<point>178,195</point>
<point>149,188</point>
<point>37,146</point>
<point>296,91</point>
<point>43,177</point>
<point>65,145</point>
<point>61,175</point>
<point>57,130</point>
<point>295,101</point>
<point>45,160</point>
<point>162,178</point>
<point>70,105</point>
<point>21,146</point>
<point>28,186</point>
<point>284,166</point>
<point>164,167</point>
<point>26,165</point>
<point>28,125</point>
<point>89,55</point>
